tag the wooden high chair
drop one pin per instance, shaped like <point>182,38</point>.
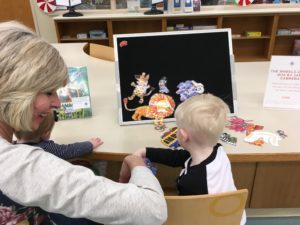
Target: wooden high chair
<point>212,209</point>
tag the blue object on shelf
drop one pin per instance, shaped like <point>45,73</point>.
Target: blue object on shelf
<point>97,34</point>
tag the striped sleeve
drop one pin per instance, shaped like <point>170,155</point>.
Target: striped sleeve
<point>67,151</point>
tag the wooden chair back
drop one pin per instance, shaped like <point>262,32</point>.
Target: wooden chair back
<point>101,52</point>
<point>212,209</point>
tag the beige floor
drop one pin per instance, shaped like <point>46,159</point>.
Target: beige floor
<point>278,212</point>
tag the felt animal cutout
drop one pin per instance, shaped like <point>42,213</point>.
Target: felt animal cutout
<point>162,84</point>
<point>140,87</point>
<point>188,89</point>
<point>266,137</point>
<point>160,106</point>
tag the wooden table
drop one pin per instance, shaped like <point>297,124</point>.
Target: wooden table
<point>271,173</point>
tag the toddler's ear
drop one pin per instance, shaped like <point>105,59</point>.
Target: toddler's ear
<point>184,135</point>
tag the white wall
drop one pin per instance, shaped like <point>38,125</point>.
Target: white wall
<point>44,24</point>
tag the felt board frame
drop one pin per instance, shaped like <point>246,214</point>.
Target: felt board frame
<point>205,56</point>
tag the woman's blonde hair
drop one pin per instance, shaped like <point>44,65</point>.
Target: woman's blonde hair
<point>204,117</point>
<point>44,129</point>
<point>28,66</point>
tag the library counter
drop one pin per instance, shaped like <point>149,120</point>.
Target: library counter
<point>250,84</point>
<point>270,173</point>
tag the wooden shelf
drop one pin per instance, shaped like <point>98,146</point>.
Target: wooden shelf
<point>284,45</point>
<point>201,21</point>
<point>83,39</point>
<point>288,35</point>
<point>250,38</point>
<point>136,26</point>
<point>245,48</point>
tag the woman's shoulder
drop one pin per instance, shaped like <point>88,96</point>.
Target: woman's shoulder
<point>7,147</point>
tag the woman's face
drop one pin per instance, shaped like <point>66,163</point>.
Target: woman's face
<point>42,106</point>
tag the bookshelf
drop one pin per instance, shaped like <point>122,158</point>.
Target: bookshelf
<point>284,43</point>
<point>67,31</point>
<point>255,48</point>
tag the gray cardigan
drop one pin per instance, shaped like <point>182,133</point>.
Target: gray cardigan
<point>33,177</point>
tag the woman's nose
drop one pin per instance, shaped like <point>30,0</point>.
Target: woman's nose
<point>55,102</point>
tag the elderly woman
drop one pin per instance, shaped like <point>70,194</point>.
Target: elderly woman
<point>34,182</point>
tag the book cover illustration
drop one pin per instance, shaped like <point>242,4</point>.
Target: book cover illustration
<point>75,96</point>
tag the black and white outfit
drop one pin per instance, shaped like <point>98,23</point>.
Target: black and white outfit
<point>213,175</point>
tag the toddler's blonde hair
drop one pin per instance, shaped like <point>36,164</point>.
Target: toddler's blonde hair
<point>204,117</point>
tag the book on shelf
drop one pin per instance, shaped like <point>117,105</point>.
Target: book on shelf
<point>295,31</point>
<point>284,31</point>
<point>253,33</point>
<point>288,31</point>
<point>204,27</point>
<point>75,96</point>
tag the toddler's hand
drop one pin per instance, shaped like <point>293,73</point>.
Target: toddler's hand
<point>128,164</point>
<point>96,142</point>
<point>140,152</point>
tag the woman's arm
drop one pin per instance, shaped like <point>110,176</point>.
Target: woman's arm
<point>36,178</point>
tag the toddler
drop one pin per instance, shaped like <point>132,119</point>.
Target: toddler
<point>206,168</point>
<point>41,138</point>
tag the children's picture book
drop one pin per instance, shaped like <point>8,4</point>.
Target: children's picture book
<point>75,96</point>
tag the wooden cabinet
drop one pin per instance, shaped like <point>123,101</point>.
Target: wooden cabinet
<point>67,30</point>
<point>245,48</point>
<point>276,185</point>
<point>193,21</point>
<point>269,184</point>
<point>17,10</point>
<point>284,43</point>
<point>127,26</point>
<point>250,48</point>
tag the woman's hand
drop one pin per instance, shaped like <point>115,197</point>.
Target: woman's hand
<point>129,163</point>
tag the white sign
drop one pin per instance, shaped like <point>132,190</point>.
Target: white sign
<point>81,102</point>
<point>68,2</point>
<point>283,84</point>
